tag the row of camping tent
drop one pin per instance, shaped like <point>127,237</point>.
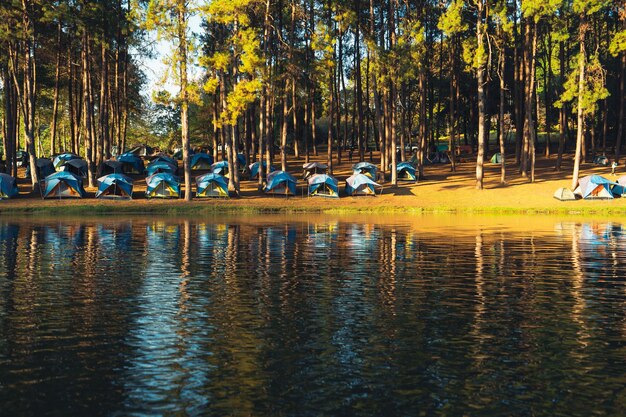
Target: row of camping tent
<point>593,187</point>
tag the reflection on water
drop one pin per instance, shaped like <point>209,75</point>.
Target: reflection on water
<point>319,317</point>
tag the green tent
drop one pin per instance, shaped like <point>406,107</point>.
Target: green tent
<point>496,158</point>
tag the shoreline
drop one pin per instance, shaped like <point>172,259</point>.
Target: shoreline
<point>442,192</point>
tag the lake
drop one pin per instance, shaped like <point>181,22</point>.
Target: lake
<point>310,315</point>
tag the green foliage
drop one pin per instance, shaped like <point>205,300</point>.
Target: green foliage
<point>594,89</point>
<point>618,44</point>
<point>536,9</point>
<point>451,21</point>
<point>589,7</point>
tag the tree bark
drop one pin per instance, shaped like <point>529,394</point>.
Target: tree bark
<point>580,115</point>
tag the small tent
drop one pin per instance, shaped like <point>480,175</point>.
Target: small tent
<point>178,154</point>
<point>254,169</point>
<point>211,185</point>
<point>8,186</point>
<point>131,164</point>
<point>221,168</point>
<point>157,167</point>
<point>438,157</point>
<point>360,184</point>
<point>63,184</point>
<point>163,185</point>
<point>201,161</point>
<point>110,166</point>
<point>61,159</point>
<point>323,185</point>
<point>140,150</point>
<point>595,187</point>
<point>280,183</point>
<point>406,171</point>
<point>115,185</point>
<point>44,168</point>
<point>77,167</point>
<point>365,168</point>
<point>601,160</point>
<point>313,168</point>
<point>564,194</point>
<point>496,158</point>
<point>161,157</point>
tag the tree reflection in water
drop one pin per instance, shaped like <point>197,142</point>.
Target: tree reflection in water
<point>309,316</point>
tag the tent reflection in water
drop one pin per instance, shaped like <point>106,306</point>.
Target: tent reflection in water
<point>115,185</point>
<point>163,185</point>
<point>360,184</point>
<point>211,185</point>
<point>280,183</point>
<point>8,186</point>
<point>63,185</point>
<point>597,187</point>
<point>323,185</point>
<point>406,171</point>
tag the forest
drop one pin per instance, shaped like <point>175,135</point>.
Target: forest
<point>279,80</point>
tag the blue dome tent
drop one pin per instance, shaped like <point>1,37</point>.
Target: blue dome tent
<point>61,159</point>
<point>115,185</point>
<point>211,185</point>
<point>110,166</point>
<point>324,186</point>
<point>280,183</point>
<point>163,185</point>
<point>596,187</point>
<point>221,168</point>
<point>77,167</point>
<point>8,186</point>
<point>406,171</point>
<point>201,161</point>
<point>360,184</point>
<point>313,168</point>
<point>365,168</point>
<point>254,169</point>
<point>131,164</point>
<point>161,166</point>
<point>63,185</point>
<point>44,168</point>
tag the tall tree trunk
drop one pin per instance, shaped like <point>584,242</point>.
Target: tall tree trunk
<point>580,114</point>
<point>184,95</point>
<point>87,107</point>
<point>55,100</point>
<point>480,77</point>
<point>620,121</point>
<point>501,132</point>
<point>562,110</point>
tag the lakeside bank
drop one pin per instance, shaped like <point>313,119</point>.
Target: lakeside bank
<point>441,192</point>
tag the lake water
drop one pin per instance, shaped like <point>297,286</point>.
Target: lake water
<point>312,315</point>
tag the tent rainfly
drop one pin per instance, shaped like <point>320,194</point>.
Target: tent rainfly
<point>8,186</point>
<point>280,183</point>
<point>360,184</point>
<point>115,185</point>
<point>564,194</point>
<point>323,185</point>
<point>163,185</point>
<point>63,185</point>
<point>595,187</point>
<point>211,185</point>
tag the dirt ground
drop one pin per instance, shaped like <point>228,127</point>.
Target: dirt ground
<point>442,190</point>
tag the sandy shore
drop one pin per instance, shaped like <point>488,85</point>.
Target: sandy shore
<point>441,191</point>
